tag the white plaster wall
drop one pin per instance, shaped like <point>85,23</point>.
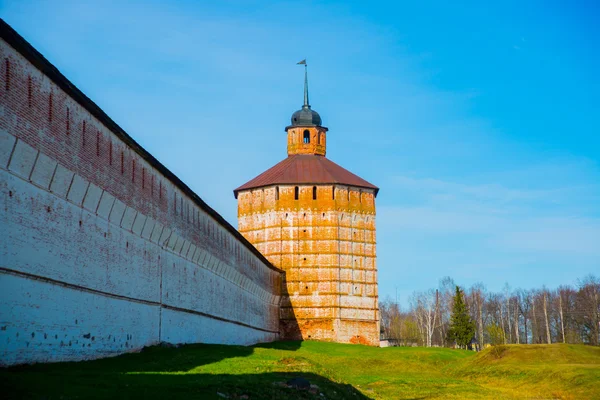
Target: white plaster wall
<point>83,276</point>
<point>178,327</point>
<point>95,230</point>
<point>185,285</point>
<point>41,321</point>
<point>95,254</point>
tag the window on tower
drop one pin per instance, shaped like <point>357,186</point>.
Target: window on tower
<point>314,192</point>
<point>307,136</point>
<point>296,193</point>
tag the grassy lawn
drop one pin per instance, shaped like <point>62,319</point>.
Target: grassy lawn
<point>340,372</point>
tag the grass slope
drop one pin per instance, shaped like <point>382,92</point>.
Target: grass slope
<point>558,371</point>
<point>340,371</point>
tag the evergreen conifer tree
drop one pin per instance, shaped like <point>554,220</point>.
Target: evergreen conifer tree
<point>462,328</point>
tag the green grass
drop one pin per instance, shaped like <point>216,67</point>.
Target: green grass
<point>340,371</point>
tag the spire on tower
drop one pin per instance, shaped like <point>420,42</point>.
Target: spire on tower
<point>306,103</point>
<point>306,116</point>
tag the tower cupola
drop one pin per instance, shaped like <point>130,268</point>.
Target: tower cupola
<point>306,117</point>
<point>305,134</point>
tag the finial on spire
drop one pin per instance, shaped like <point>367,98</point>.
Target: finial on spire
<point>306,103</point>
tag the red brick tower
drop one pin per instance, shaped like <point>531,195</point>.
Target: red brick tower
<point>316,221</point>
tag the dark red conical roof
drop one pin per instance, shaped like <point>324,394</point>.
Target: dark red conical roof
<point>304,169</point>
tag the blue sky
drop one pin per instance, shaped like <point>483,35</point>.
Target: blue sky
<point>480,123</point>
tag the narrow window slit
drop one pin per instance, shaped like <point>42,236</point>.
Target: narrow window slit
<point>50,108</point>
<point>29,90</point>
<point>83,134</point>
<point>7,75</point>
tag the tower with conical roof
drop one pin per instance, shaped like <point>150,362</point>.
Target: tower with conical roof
<point>316,221</point>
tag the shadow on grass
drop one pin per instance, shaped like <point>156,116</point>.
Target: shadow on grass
<point>158,359</point>
<point>160,373</point>
<point>288,345</point>
<point>172,386</point>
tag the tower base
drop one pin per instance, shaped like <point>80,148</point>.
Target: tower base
<point>331,330</point>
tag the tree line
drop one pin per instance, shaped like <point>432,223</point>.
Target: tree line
<point>567,314</point>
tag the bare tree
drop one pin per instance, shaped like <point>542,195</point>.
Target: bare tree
<point>545,309</point>
<point>573,318</point>
<point>397,324</point>
<point>493,311</point>
<point>388,311</point>
<point>476,303</point>
<point>561,292</point>
<point>524,303</point>
<point>535,333</point>
<point>516,320</point>
<point>423,305</point>
<point>507,300</point>
<point>446,296</point>
<point>589,304</point>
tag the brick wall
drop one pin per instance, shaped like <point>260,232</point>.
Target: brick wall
<point>102,249</point>
<point>325,242</point>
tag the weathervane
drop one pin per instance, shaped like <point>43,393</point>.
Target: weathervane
<point>303,62</point>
